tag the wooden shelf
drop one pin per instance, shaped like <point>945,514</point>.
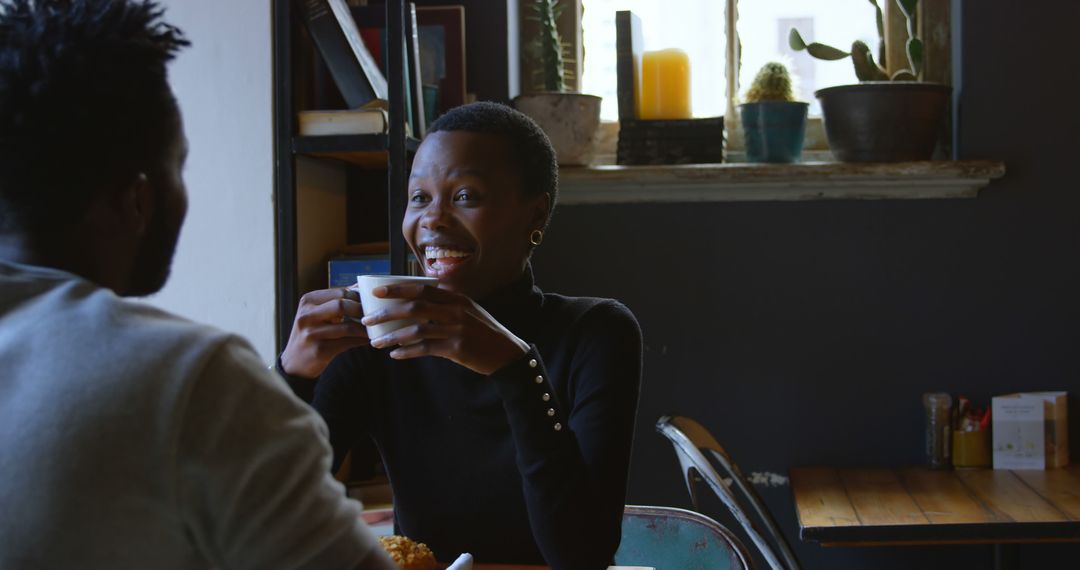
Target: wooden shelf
<point>745,182</point>
<point>306,189</point>
<point>367,151</point>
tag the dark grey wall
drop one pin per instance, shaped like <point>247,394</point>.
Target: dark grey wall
<point>805,333</point>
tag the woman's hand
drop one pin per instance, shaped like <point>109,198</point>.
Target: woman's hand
<point>322,331</point>
<point>449,325</point>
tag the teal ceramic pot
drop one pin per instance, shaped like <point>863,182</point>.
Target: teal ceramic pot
<point>884,121</point>
<point>774,130</point>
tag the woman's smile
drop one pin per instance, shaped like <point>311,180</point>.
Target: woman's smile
<point>468,217</point>
<point>443,262</point>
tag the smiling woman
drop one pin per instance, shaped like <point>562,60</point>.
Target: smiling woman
<point>505,416</point>
<point>463,218</point>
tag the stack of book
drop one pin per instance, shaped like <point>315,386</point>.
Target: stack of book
<point>685,141</point>
<point>352,42</point>
<point>369,120</point>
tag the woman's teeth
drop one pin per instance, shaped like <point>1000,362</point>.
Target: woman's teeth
<point>441,253</point>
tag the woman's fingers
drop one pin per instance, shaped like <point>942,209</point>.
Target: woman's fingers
<point>333,310</point>
<point>321,331</point>
<point>436,347</point>
<point>450,325</point>
<point>416,291</point>
<point>420,309</point>
<point>417,333</point>
<point>347,329</point>
<point>323,295</point>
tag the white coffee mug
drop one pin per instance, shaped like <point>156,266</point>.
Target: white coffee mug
<point>365,284</point>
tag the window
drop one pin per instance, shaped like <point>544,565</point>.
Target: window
<point>698,27</point>
<point>695,26</point>
<point>763,28</point>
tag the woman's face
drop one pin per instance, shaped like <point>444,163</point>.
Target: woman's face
<point>466,216</point>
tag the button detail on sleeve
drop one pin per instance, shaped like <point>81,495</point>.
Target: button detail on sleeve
<point>546,396</point>
<point>551,412</point>
<point>532,363</point>
<point>558,426</point>
<point>539,379</point>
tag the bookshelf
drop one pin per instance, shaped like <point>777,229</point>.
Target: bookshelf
<point>367,151</point>
<point>311,173</point>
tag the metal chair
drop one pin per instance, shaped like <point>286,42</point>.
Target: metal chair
<point>689,439</point>
<point>667,538</point>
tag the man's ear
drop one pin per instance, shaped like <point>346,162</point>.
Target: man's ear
<point>139,203</point>
<point>540,210</point>
<point>123,210</point>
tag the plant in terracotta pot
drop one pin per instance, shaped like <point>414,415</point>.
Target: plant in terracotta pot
<point>883,118</point>
<point>774,123</point>
<point>571,120</point>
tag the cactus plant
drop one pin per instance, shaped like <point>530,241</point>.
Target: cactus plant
<point>774,123</point>
<point>548,46</point>
<point>570,120</point>
<point>866,69</point>
<point>772,83</point>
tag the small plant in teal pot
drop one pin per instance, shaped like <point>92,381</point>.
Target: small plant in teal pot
<point>774,123</point>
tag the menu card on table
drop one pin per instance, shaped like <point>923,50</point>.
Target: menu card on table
<point>1030,430</point>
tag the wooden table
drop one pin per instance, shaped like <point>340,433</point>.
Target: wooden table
<point>886,507</point>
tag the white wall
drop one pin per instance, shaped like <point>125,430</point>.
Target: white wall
<point>224,268</point>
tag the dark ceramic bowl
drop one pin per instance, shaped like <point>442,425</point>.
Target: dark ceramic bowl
<point>884,121</point>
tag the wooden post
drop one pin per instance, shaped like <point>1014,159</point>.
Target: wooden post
<point>935,29</point>
<point>936,33</point>
<point>288,295</point>
<point>895,37</point>
<point>570,31</point>
<point>397,175</point>
<point>733,61</point>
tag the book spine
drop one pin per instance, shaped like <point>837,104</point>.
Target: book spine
<point>353,122</point>
<point>628,43</point>
<point>331,42</point>
<point>343,272</point>
<point>416,88</point>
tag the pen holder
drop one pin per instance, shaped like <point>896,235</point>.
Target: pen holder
<point>971,448</point>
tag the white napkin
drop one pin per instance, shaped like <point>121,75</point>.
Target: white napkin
<point>463,562</point>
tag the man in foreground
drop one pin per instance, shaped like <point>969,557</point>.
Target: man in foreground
<point>131,438</point>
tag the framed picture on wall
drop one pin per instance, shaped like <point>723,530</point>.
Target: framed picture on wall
<point>441,31</point>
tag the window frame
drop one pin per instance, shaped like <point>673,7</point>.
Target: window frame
<point>934,25</point>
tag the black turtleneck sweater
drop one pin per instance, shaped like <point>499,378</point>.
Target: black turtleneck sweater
<point>528,465</point>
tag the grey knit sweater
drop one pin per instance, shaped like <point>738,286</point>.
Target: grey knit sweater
<point>131,438</point>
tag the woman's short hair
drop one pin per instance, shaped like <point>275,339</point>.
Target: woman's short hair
<point>528,143</point>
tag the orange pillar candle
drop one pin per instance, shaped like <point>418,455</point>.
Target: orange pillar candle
<point>665,85</point>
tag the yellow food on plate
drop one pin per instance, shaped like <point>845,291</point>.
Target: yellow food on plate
<point>408,554</point>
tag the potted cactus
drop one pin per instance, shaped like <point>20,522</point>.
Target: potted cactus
<point>571,120</point>
<point>883,118</point>
<point>774,123</point>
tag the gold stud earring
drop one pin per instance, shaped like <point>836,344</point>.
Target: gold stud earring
<point>536,237</point>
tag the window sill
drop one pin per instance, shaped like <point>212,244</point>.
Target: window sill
<point>745,182</point>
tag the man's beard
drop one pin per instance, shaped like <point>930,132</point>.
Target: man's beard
<point>153,260</point>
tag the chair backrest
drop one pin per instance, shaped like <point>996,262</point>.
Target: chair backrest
<point>667,538</point>
<point>689,438</point>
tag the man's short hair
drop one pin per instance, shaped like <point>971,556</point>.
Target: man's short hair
<point>528,142</point>
<point>84,104</point>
